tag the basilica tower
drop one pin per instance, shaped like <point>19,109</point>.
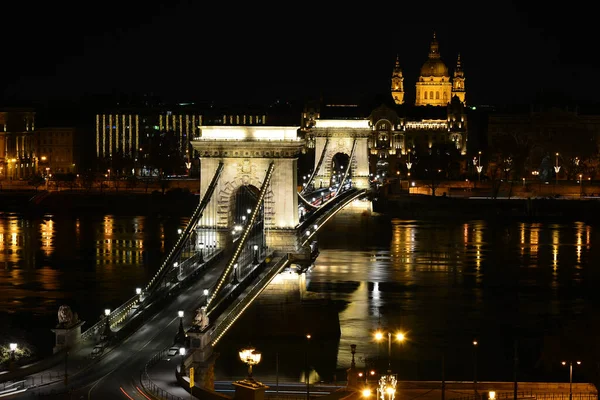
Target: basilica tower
<point>434,87</point>
<point>397,83</point>
<point>458,82</point>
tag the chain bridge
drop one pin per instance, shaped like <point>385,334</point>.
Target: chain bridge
<point>250,224</point>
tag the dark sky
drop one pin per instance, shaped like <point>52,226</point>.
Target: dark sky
<point>200,50</point>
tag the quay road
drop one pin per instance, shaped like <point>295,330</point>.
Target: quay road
<point>116,374</point>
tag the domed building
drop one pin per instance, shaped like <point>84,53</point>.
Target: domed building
<point>434,87</point>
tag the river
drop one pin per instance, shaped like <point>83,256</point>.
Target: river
<point>444,283</point>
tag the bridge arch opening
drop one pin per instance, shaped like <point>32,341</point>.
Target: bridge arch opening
<point>243,202</point>
<point>339,163</point>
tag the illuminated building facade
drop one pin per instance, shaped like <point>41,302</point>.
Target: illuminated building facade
<point>131,135</point>
<point>55,149</point>
<point>434,87</point>
<point>17,155</point>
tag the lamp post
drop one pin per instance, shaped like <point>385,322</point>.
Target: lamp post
<point>571,377</point>
<point>479,169</point>
<point>201,245</point>
<point>182,354</point>
<point>235,274</point>
<point>205,293</point>
<point>308,337</point>
<point>180,338</point>
<point>475,344</point>
<point>107,330</point>
<point>399,337</point>
<point>580,185</point>
<point>13,348</point>
<point>250,356</point>
<point>557,168</point>
<point>255,254</point>
<point>408,164</point>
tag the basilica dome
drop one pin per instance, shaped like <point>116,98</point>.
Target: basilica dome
<point>434,67</point>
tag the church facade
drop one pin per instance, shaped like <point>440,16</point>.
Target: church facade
<point>400,132</point>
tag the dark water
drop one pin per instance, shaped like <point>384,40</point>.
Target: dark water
<point>443,283</point>
<point>87,262</point>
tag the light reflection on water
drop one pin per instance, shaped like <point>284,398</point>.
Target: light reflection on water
<point>443,282</point>
<point>87,262</point>
<point>446,283</point>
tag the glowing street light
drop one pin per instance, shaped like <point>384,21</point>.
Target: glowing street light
<point>399,336</point>
<point>182,354</point>
<point>107,330</point>
<point>557,168</point>
<point>571,376</point>
<point>201,246</point>
<point>255,254</point>
<point>13,348</point>
<point>251,357</point>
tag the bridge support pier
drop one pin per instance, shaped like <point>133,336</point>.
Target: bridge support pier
<point>202,358</point>
<point>284,240</point>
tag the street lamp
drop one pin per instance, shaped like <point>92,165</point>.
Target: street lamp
<point>580,185</point>
<point>235,278</point>
<point>180,333</point>
<point>205,293</point>
<point>250,356</point>
<point>479,169</point>
<point>399,337</point>
<point>475,344</point>
<point>201,245</point>
<point>182,354</point>
<point>557,168</point>
<point>571,377</point>
<point>308,337</point>
<point>107,330</point>
<point>255,254</point>
<point>13,348</point>
<point>408,164</point>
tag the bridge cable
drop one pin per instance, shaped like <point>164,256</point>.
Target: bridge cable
<point>242,241</point>
<point>341,185</point>
<point>176,250</point>
<point>317,168</point>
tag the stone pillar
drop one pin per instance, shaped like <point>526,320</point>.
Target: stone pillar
<point>67,337</point>
<point>249,389</point>
<point>202,358</point>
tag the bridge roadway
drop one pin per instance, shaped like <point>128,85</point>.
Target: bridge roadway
<point>116,374</point>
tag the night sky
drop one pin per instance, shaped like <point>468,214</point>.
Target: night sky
<point>197,50</point>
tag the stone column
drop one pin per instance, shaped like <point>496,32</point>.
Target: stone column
<point>67,337</point>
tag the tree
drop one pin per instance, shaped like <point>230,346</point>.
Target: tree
<point>440,161</point>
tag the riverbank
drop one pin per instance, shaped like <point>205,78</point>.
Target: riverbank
<point>173,202</point>
<point>423,206</point>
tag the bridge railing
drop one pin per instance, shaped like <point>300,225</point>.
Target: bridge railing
<point>116,317</point>
<point>324,214</point>
<point>226,322</point>
<point>149,385</point>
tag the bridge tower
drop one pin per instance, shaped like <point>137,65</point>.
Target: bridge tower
<point>247,152</point>
<point>349,137</point>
